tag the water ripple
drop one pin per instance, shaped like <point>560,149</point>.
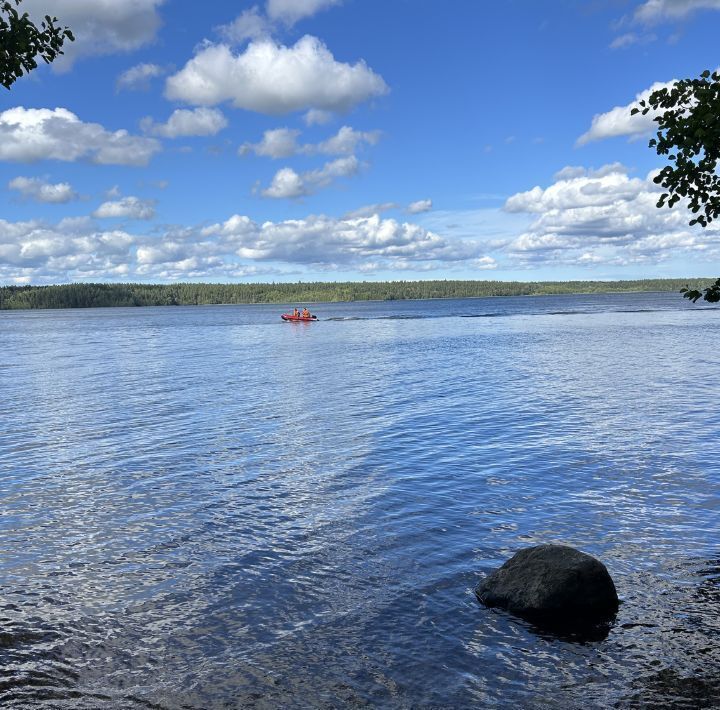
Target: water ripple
<point>205,508</point>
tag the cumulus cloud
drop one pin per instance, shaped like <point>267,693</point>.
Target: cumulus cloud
<point>330,241</point>
<point>344,142</point>
<point>484,263</point>
<point>603,216</point>
<point>253,23</point>
<point>282,143</point>
<point>77,249</point>
<point>574,171</point>
<point>288,184</point>
<point>250,24</point>
<point>42,191</point>
<point>419,206</point>
<point>127,207</point>
<point>619,122</point>
<point>27,135</point>
<point>276,143</point>
<point>187,122</point>
<point>100,26</point>
<point>69,250</point>
<point>273,79</point>
<point>576,190</point>
<point>653,11</point>
<point>139,77</point>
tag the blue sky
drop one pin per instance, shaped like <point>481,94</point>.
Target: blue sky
<point>291,140</point>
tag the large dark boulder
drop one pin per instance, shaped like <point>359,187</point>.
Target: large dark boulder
<point>554,584</point>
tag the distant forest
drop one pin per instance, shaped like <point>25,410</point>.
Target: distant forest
<point>90,295</point>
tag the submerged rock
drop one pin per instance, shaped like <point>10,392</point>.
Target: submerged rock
<point>555,584</point>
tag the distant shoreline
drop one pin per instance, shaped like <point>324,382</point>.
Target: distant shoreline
<point>107,295</point>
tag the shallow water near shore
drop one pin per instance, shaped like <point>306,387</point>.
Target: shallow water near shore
<point>204,507</point>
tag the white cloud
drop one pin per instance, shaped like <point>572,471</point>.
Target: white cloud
<point>43,191</point>
<point>619,122</point>
<point>274,79</point>
<point>100,26</point>
<point>370,210</point>
<point>603,216</point>
<point>69,250</point>
<point>569,172</point>
<point>139,77</point>
<point>127,207</point>
<point>76,249</point>
<point>27,135</point>
<point>317,117</point>
<point>629,38</point>
<point>201,121</point>
<point>484,263</point>
<point>253,24</point>
<point>419,206</point>
<point>345,142</point>
<point>164,252</point>
<point>282,143</point>
<point>276,143</point>
<point>574,171</point>
<point>577,190</point>
<point>291,11</point>
<point>653,11</point>
<point>342,167</point>
<point>250,24</point>
<point>330,241</point>
<point>288,184</point>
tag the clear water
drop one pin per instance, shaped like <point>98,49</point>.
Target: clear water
<point>206,507</point>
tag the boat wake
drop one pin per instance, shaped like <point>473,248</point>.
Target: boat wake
<point>567,312</point>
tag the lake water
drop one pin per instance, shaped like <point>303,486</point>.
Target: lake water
<point>205,507</point>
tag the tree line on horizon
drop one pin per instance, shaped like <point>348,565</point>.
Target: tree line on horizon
<point>98,295</point>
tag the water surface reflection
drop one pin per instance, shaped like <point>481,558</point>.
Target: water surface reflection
<point>204,507</point>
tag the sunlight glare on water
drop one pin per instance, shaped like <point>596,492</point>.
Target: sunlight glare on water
<point>206,507</point>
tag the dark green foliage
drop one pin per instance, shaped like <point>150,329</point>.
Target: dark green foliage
<point>711,294</point>
<point>21,42</point>
<point>689,134</point>
<point>88,295</point>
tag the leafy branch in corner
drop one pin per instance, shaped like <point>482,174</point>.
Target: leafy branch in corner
<point>688,133</point>
<point>711,294</point>
<point>22,42</point>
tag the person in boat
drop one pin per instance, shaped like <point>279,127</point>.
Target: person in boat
<point>306,313</point>
<point>296,312</point>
